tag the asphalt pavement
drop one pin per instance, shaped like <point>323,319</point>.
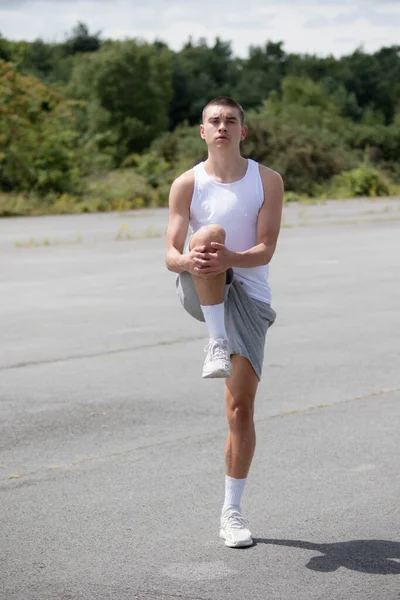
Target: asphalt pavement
<point>111,444</point>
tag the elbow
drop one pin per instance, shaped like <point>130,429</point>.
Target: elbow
<point>268,253</point>
<point>168,263</point>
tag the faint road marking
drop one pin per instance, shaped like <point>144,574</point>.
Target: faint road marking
<point>50,361</point>
<point>283,413</point>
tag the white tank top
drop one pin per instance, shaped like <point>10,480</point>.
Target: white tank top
<point>235,207</point>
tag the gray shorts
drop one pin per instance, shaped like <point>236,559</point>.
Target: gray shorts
<point>246,320</point>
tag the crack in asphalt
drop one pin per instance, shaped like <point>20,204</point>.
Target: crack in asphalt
<point>281,414</point>
<point>35,363</point>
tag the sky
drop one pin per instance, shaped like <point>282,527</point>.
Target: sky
<point>321,27</point>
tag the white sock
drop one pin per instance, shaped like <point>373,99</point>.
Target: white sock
<point>233,491</point>
<point>214,316</point>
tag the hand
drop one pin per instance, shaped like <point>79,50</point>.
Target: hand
<point>194,258</point>
<point>210,264</point>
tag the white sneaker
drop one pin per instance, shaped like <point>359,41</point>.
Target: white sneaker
<point>218,361</point>
<point>234,528</point>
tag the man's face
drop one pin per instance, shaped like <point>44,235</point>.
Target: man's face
<point>221,127</point>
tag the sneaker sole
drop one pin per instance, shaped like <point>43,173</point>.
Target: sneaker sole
<point>217,374</point>
<point>242,544</point>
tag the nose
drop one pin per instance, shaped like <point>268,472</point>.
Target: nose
<point>222,126</point>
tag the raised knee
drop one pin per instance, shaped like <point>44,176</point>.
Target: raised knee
<point>207,234</point>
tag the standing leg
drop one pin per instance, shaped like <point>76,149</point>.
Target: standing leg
<point>240,392</point>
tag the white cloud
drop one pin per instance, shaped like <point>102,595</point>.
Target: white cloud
<point>310,26</point>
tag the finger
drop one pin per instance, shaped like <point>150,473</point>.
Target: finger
<point>199,248</point>
<point>210,255</point>
<point>200,256</point>
<point>217,245</point>
<point>200,263</point>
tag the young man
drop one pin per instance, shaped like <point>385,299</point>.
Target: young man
<point>233,207</point>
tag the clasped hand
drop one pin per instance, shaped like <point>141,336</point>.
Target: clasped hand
<point>207,263</point>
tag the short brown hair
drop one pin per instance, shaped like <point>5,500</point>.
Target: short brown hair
<point>225,101</point>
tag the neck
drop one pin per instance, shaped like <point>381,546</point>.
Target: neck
<point>226,166</point>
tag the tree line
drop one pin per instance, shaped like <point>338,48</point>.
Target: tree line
<point>107,124</point>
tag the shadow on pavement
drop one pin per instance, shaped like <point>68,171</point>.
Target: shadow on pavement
<point>365,556</point>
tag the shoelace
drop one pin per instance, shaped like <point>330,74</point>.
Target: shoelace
<point>235,520</point>
<point>217,349</point>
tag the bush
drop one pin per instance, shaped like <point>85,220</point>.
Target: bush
<point>40,147</point>
<point>122,189</point>
<point>151,166</point>
<point>363,181</point>
<point>37,138</point>
<point>181,148</point>
<point>304,157</point>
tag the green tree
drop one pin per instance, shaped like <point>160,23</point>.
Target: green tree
<point>305,102</point>
<point>261,74</point>
<point>81,40</point>
<point>200,73</point>
<point>39,59</point>
<point>39,145</point>
<point>5,53</point>
<point>374,79</point>
<point>128,89</point>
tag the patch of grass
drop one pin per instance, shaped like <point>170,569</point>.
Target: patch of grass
<point>33,243</point>
<point>125,233</point>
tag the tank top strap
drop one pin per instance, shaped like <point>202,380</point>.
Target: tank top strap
<point>253,168</point>
<point>200,174</point>
<point>254,179</point>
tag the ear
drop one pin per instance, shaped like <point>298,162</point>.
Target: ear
<point>202,132</point>
<point>244,132</point>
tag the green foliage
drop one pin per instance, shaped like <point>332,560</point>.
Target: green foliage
<point>40,147</point>
<point>299,134</point>
<point>121,189</point>
<point>261,74</point>
<point>181,148</point>
<point>363,181</point>
<point>199,73</point>
<point>5,53</point>
<point>81,40</point>
<point>128,88</point>
<point>383,140</point>
<point>37,138</point>
<point>92,125</point>
<point>151,166</point>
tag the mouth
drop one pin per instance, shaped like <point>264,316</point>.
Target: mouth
<point>222,137</point>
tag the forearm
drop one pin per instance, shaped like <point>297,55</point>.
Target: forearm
<point>253,257</point>
<point>175,261</point>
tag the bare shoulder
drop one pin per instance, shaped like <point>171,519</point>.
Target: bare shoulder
<point>183,186</point>
<point>272,181</point>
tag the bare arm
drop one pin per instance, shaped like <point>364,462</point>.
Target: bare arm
<point>180,197</point>
<point>179,211</point>
<point>268,227</point>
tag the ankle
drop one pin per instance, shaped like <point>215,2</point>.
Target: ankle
<point>234,489</point>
